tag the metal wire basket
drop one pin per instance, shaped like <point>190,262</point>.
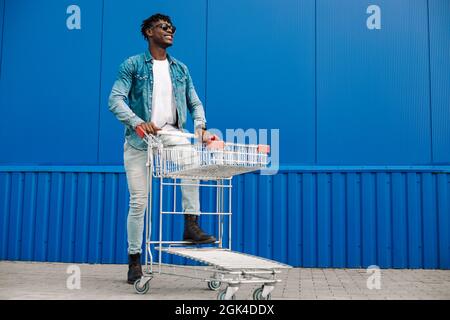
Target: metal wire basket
<point>214,160</point>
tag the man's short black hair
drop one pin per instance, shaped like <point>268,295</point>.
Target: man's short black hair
<point>149,22</point>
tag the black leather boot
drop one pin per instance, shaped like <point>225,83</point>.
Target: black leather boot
<point>134,267</point>
<point>192,231</point>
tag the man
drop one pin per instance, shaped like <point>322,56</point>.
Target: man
<point>153,91</point>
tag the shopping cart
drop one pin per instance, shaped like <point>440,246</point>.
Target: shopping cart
<point>216,162</point>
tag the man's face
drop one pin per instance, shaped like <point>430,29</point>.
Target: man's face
<point>161,33</point>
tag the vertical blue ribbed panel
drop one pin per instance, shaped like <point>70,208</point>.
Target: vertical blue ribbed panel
<point>443,200</point>
<point>354,220</point>
<point>429,222</point>
<point>294,222</point>
<point>309,219</point>
<point>338,220</point>
<point>279,196</point>
<point>414,220</point>
<point>368,221</point>
<point>308,213</point>
<point>264,222</point>
<point>399,220</point>
<point>82,219</point>
<point>323,214</point>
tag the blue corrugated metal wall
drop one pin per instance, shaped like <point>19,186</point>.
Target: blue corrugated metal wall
<point>396,219</point>
<point>341,94</point>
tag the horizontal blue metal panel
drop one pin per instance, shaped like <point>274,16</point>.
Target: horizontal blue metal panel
<point>439,29</point>
<point>2,16</point>
<point>123,22</point>
<point>372,84</point>
<point>339,92</point>
<point>310,219</point>
<point>50,93</point>
<point>261,71</point>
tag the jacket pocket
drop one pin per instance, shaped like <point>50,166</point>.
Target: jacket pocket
<point>140,82</point>
<point>180,83</point>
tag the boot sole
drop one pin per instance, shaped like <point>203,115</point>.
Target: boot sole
<point>132,282</point>
<point>201,242</point>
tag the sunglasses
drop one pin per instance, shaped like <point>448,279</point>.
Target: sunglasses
<point>166,27</point>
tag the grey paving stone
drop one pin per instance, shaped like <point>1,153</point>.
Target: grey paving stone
<point>35,280</point>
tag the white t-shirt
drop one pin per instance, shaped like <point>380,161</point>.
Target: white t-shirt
<point>164,111</point>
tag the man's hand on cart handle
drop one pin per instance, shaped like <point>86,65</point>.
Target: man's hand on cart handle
<point>150,128</point>
<point>206,136</point>
<point>146,127</point>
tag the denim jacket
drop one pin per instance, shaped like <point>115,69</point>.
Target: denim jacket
<point>131,95</point>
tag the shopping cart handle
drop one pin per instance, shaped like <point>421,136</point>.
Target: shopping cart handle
<point>175,134</point>
<point>140,132</point>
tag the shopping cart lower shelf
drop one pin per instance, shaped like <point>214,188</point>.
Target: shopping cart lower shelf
<point>229,267</point>
<point>225,259</point>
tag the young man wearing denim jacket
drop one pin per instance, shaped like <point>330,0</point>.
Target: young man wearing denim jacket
<point>154,91</point>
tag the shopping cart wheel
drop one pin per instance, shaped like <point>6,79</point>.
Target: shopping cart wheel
<point>214,285</point>
<point>141,289</point>
<point>257,294</point>
<point>221,295</point>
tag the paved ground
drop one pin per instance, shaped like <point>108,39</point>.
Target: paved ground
<point>32,280</point>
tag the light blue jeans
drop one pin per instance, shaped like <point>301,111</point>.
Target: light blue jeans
<point>136,170</point>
